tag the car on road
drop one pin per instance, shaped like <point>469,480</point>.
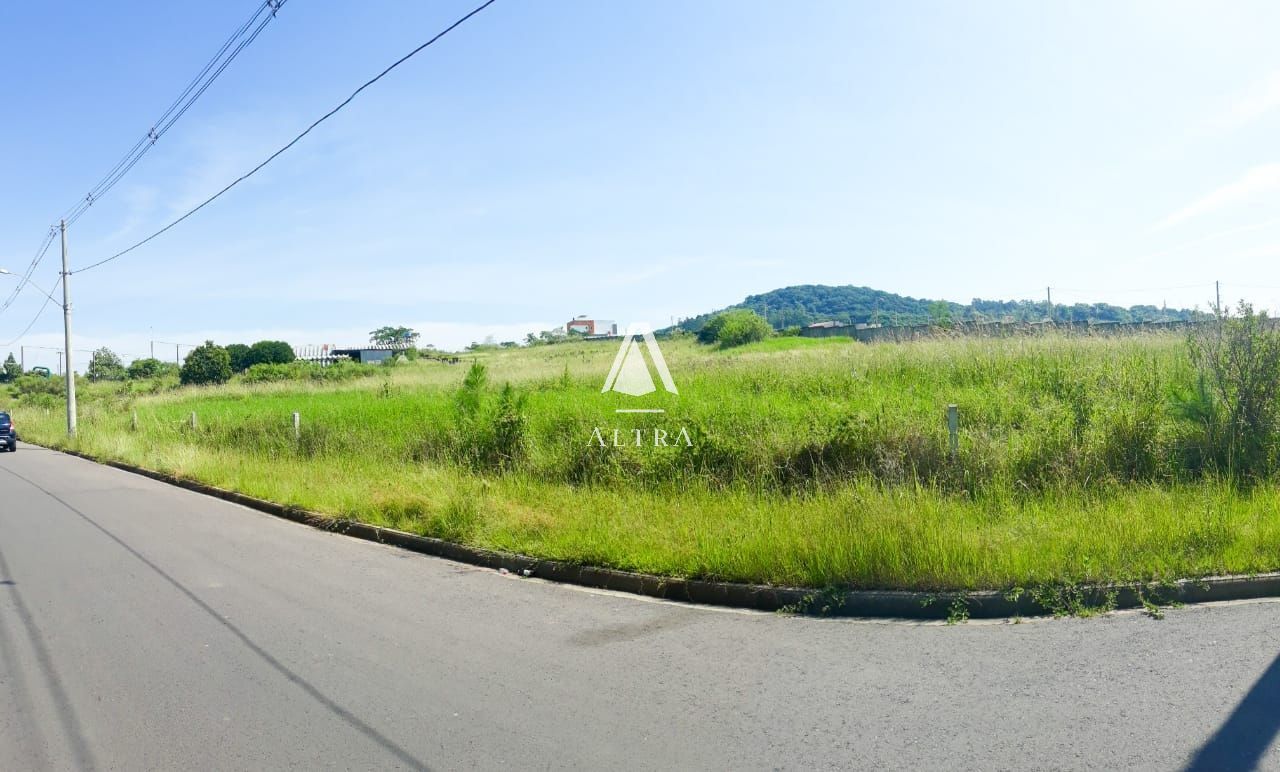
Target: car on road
<point>8,434</point>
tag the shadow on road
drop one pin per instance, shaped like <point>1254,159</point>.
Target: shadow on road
<point>1245,736</point>
<point>407,759</point>
<point>70,722</point>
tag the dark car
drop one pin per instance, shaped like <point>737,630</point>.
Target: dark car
<point>8,434</point>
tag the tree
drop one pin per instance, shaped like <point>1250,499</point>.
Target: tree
<point>105,365</point>
<point>386,336</point>
<point>11,368</point>
<point>940,313</point>
<point>270,352</point>
<point>142,369</point>
<point>239,354</point>
<point>206,364</point>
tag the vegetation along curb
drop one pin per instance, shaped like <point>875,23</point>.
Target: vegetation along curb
<point>900,604</point>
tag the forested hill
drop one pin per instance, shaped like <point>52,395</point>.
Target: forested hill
<point>809,303</point>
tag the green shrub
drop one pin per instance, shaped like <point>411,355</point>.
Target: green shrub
<point>206,364</point>
<point>1236,405</point>
<point>270,373</point>
<point>308,371</point>
<point>143,369</point>
<point>735,328</point>
<point>709,333</point>
<point>486,432</point>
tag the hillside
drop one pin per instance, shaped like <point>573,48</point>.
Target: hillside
<point>809,303</point>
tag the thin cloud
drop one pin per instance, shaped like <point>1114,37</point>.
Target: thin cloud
<point>1258,252</point>
<point>1184,246</point>
<point>1223,116</point>
<point>1255,182</point>
<point>1250,105</point>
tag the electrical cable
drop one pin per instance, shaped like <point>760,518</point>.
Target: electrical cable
<point>36,318</point>
<point>26,276</point>
<point>198,85</point>
<point>291,142</point>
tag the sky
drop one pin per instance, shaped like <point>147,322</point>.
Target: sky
<point>631,161</point>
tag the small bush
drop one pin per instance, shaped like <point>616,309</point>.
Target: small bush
<point>735,328</point>
<point>144,369</point>
<point>271,373</point>
<point>1236,406</point>
<point>308,371</point>
<point>709,333</point>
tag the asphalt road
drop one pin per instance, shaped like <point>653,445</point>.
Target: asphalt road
<point>147,627</point>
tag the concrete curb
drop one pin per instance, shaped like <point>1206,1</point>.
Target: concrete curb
<point>892,604</point>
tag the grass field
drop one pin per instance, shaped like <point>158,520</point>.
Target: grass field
<point>812,462</point>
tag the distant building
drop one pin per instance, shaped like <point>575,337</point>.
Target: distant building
<point>592,328</point>
<point>370,354</point>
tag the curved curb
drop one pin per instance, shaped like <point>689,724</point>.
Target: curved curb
<point>889,604</point>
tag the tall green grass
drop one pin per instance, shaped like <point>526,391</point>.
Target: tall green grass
<point>813,462</point>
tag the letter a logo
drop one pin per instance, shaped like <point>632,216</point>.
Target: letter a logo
<point>630,372</point>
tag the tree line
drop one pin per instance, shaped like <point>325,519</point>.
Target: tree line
<point>805,304</point>
<point>208,363</point>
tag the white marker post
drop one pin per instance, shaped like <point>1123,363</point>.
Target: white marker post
<point>953,428</point>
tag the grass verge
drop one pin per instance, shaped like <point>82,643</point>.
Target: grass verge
<point>814,463</point>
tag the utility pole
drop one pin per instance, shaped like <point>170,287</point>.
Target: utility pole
<point>177,357</point>
<point>153,349</point>
<point>23,355</point>
<point>1217,292</point>
<point>66,330</point>
<point>1048,296</point>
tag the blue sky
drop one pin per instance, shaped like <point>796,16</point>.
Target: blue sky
<point>635,161</point>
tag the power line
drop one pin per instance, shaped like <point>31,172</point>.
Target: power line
<point>35,263</point>
<point>36,318</point>
<point>230,49</point>
<point>226,54</point>
<point>1250,286</point>
<point>293,141</point>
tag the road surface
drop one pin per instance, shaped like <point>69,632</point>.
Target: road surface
<point>147,627</point>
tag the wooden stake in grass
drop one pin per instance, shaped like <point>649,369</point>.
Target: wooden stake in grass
<point>297,427</point>
<point>193,419</point>
<point>134,423</point>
